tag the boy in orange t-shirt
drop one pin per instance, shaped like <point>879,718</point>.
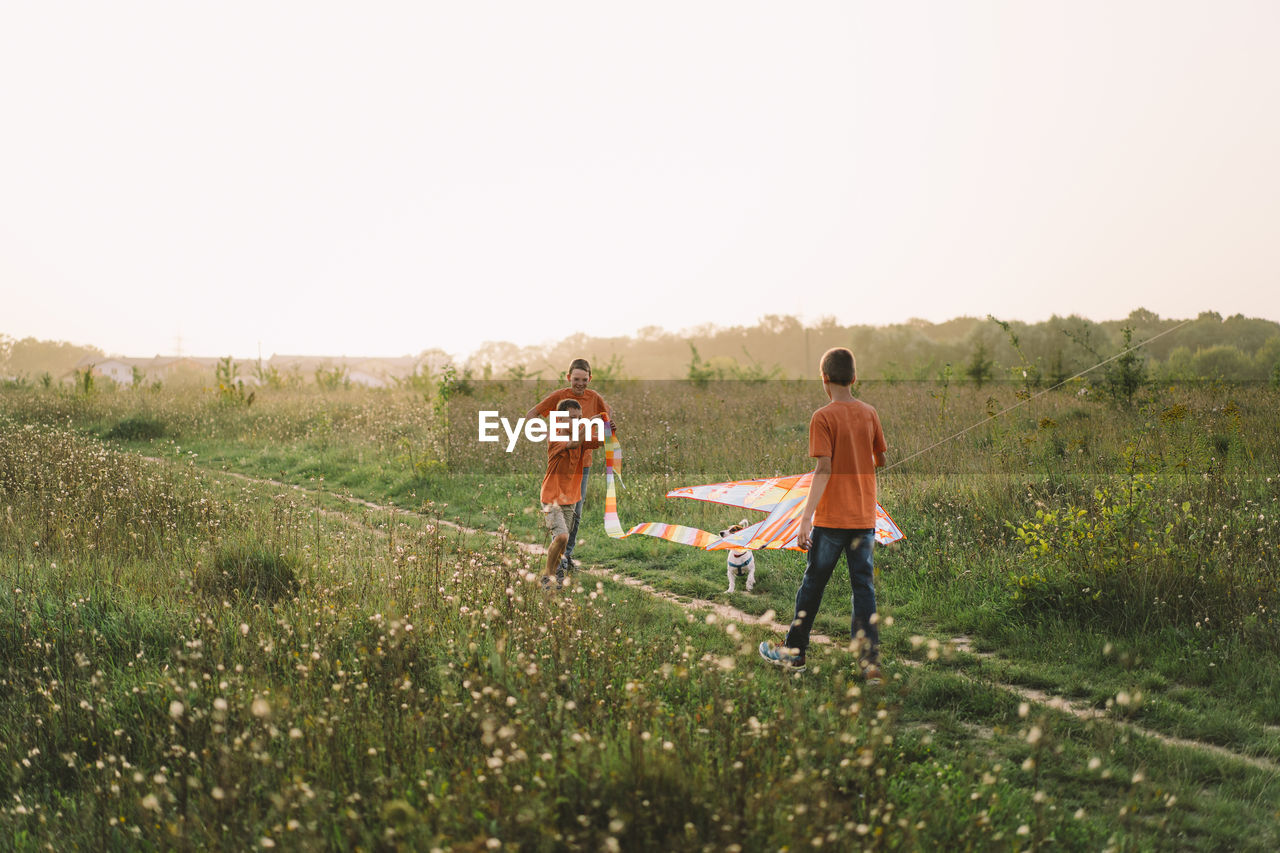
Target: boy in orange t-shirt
<point>839,517</point>
<point>593,405</point>
<point>562,488</point>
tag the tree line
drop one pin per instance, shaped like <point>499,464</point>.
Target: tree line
<point>974,349</point>
<point>1235,348</point>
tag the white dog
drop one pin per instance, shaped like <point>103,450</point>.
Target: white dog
<point>741,561</point>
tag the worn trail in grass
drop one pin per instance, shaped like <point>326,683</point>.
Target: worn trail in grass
<point>733,615</point>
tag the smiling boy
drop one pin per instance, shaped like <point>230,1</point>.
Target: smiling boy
<point>561,488</point>
<point>591,405</point>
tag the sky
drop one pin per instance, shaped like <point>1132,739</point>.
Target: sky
<point>385,178</point>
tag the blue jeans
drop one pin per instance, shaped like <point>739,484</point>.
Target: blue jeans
<point>824,552</point>
<point>577,516</point>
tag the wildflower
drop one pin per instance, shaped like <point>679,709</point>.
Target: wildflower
<point>176,709</point>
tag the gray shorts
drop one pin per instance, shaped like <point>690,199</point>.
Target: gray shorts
<point>558,518</point>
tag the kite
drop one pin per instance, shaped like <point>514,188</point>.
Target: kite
<point>782,498</point>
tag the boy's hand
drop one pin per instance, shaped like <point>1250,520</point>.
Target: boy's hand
<point>805,537</point>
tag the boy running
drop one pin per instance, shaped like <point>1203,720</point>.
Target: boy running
<point>593,405</point>
<point>839,517</point>
<point>562,486</point>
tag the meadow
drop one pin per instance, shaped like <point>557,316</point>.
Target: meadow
<point>308,621</point>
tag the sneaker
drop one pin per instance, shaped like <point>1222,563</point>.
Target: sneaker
<point>779,656</point>
<point>871,673</point>
<point>568,564</point>
<point>560,576</point>
<point>546,582</point>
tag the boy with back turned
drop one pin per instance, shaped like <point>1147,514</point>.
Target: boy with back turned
<point>839,517</point>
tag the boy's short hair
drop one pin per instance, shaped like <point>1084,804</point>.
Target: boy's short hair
<point>839,366</point>
<point>566,404</point>
<point>580,364</point>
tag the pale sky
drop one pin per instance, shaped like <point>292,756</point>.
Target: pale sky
<point>381,178</point>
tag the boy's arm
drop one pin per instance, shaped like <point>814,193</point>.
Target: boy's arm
<point>878,446</point>
<point>542,409</point>
<point>821,476</point>
<point>556,448</point>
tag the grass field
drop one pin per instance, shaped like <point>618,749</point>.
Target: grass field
<point>243,626</point>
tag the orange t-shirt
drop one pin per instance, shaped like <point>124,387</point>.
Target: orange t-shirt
<point>850,434</point>
<point>592,404</point>
<point>562,484</point>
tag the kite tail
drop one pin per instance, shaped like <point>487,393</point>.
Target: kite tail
<point>613,527</point>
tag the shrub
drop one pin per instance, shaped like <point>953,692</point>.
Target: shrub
<point>137,428</point>
<point>250,573</point>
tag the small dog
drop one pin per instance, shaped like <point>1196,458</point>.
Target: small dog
<point>741,561</point>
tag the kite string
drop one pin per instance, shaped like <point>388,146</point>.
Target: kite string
<point>1008,409</point>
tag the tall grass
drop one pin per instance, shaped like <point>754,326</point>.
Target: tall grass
<point>405,691</point>
<point>194,662</point>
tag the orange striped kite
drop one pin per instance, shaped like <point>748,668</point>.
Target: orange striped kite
<point>782,498</point>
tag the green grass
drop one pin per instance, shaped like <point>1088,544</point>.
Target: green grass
<point>278,620</point>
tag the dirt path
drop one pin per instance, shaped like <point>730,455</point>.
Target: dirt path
<point>725,614</point>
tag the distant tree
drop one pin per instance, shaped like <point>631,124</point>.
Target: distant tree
<point>1058,371</point>
<point>607,371</point>
<point>1127,375</point>
<point>1267,359</point>
<point>1178,366</point>
<point>333,378</point>
<point>32,356</point>
<point>269,376</point>
<point>1222,361</point>
<point>520,373</point>
<point>980,367</point>
<point>1248,335</point>
<point>230,385</point>
<point>1026,371</point>
<point>700,373</point>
